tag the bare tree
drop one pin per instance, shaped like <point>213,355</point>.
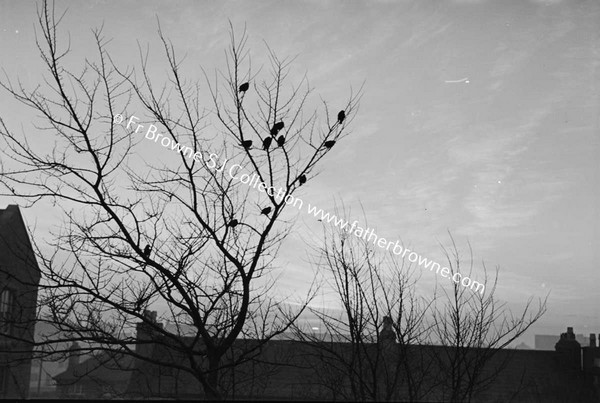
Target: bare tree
<point>187,234</point>
<point>363,359</point>
<point>473,328</point>
<point>397,344</point>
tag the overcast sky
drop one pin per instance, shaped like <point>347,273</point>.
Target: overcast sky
<point>478,117</point>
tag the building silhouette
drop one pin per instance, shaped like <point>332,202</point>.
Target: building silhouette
<point>19,280</point>
<point>296,370</point>
<point>103,375</point>
<point>46,365</point>
<point>548,341</point>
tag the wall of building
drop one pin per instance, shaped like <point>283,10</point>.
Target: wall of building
<point>19,274</point>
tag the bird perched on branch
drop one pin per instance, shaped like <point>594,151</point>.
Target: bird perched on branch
<point>276,128</point>
<point>147,251</point>
<point>302,179</point>
<point>280,141</point>
<point>233,223</point>
<point>266,211</point>
<point>329,143</point>
<point>267,143</point>
<point>341,116</point>
<point>247,144</point>
<point>244,87</point>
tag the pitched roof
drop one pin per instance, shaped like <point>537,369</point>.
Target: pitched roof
<point>15,246</point>
<point>105,367</point>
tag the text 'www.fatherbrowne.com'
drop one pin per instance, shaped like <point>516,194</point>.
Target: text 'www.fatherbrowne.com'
<point>369,235</point>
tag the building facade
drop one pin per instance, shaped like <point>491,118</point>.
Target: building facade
<point>294,370</point>
<point>19,280</point>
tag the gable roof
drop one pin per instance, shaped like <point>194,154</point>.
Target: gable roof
<point>105,368</point>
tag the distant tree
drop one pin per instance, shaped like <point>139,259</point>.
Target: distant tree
<point>359,360</point>
<point>474,327</point>
<point>181,233</point>
<point>402,360</point>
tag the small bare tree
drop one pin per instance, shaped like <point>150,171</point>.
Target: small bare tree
<point>400,345</point>
<point>473,327</point>
<point>362,359</point>
<point>188,233</point>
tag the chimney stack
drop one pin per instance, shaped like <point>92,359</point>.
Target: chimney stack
<point>73,355</point>
<point>387,334</point>
<point>569,349</point>
<point>591,357</point>
<point>146,331</point>
<point>150,315</point>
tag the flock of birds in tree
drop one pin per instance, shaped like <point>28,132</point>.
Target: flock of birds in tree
<point>247,144</point>
<point>280,141</point>
<point>278,126</point>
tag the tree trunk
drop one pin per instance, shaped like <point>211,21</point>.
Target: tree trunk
<point>212,389</point>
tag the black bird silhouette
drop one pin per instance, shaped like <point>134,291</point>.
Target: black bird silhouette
<point>266,211</point>
<point>341,116</point>
<point>329,143</point>
<point>267,143</point>
<point>276,128</point>
<point>244,87</point>
<point>147,251</point>
<point>233,223</point>
<point>247,144</point>
<point>280,141</point>
<point>302,179</point>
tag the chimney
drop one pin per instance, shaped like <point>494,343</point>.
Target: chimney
<point>146,332</point>
<point>73,355</point>
<point>591,357</point>
<point>568,350</point>
<point>150,315</point>
<point>387,334</point>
